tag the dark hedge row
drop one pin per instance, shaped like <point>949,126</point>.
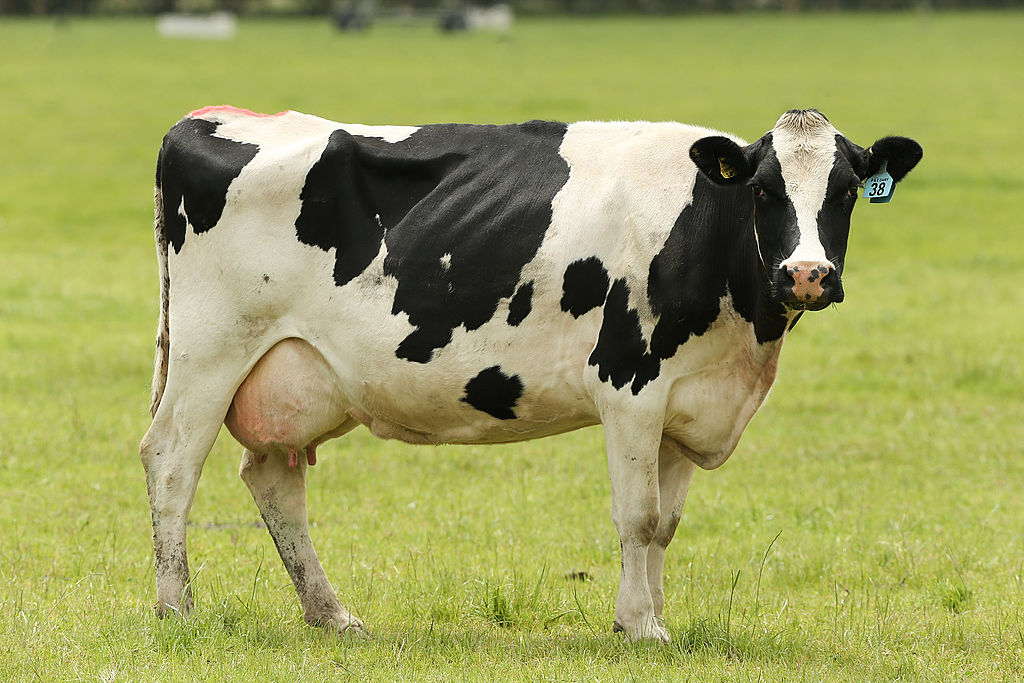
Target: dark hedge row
<point>322,7</point>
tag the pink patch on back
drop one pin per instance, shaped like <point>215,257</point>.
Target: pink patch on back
<point>227,108</point>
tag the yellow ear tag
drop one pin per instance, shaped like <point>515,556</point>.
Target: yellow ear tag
<point>727,170</point>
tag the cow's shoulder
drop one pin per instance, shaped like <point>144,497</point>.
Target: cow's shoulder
<point>704,263</point>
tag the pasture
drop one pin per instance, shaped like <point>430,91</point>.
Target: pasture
<point>870,526</point>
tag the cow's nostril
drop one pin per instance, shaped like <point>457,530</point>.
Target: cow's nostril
<point>819,272</point>
<point>807,272</point>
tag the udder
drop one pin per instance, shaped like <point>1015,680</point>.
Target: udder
<point>289,404</point>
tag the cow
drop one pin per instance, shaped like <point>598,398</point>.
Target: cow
<point>477,284</point>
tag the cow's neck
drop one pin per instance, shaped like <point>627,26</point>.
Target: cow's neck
<point>750,290</point>
<point>711,252</point>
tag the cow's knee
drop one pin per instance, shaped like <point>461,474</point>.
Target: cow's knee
<point>638,525</point>
<point>150,449</point>
<point>667,529</point>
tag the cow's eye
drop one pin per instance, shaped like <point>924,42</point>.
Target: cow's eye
<point>852,191</point>
<point>758,191</point>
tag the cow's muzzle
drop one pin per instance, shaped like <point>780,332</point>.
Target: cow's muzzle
<point>808,285</point>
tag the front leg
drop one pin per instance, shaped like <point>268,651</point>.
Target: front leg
<point>674,474</point>
<point>633,468</point>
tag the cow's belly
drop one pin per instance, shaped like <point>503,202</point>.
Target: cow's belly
<point>293,399</point>
<point>428,404</point>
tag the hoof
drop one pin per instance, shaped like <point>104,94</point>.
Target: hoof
<point>651,628</point>
<point>164,610</point>
<point>340,625</point>
<point>354,627</point>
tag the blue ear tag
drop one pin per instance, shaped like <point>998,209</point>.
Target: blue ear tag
<point>879,187</point>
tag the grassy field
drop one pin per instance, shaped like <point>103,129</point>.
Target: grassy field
<point>888,460</point>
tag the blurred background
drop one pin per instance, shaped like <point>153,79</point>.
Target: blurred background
<point>320,7</point>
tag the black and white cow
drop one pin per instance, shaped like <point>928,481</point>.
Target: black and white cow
<point>482,284</point>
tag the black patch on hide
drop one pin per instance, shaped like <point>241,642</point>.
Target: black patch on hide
<point>494,393</point>
<point>584,286</point>
<point>477,196</point>
<point>520,305</point>
<point>197,168</point>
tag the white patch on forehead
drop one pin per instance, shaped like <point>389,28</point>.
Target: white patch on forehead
<point>805,145</point>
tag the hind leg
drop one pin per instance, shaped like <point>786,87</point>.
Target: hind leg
<point>173,452</point>
<point>278,485</point>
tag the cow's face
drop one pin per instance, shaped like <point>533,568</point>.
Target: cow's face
<point>803,176</point>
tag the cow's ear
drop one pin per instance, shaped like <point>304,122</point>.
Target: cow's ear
<point>855,154</point>
<point>899,154</point>
<point>721,160</point>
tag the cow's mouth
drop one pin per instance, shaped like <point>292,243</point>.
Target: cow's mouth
<point>807,306</point>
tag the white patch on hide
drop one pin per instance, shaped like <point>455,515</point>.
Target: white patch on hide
<point>292,126</point>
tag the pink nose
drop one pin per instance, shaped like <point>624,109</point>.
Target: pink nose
<point>807,277</point>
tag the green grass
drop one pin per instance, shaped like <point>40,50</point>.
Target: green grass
<point>888,456</point>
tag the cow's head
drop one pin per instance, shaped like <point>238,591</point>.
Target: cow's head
<point>803,176</point>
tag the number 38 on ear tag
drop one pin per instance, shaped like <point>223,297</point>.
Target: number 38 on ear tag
<point>879,187</point>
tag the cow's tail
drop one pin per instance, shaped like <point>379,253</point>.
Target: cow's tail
<point>163,334</point>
